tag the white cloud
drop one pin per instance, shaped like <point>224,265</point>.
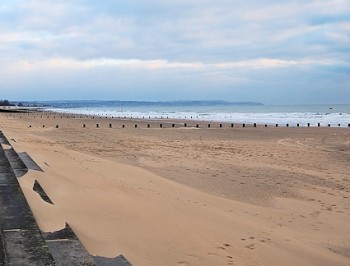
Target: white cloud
<point>230,40</point>
<point>162,64</point>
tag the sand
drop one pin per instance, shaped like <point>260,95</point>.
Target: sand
<point>190,196</point>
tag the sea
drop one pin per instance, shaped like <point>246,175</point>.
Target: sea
<point>210,111</point>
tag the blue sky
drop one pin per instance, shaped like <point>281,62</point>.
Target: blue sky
<point>275,52</point>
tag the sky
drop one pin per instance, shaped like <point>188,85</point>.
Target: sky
<point>268,51</point>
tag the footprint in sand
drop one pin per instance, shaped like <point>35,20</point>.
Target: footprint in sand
<point>251,246</point>
<point>224,248</point>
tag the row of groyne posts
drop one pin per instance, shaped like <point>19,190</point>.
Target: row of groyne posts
<point>201,125</point>
<point>173,125</point>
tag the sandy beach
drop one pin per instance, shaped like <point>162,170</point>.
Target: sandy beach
<point>190,196</point>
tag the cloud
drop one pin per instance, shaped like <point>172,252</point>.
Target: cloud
<point>160,64</point>
<point>192,30</point>
<point>212,43</point>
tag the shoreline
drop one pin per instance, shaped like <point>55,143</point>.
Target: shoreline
<point>190,122</point>
<point>295,118</point>
<point>213,196</point>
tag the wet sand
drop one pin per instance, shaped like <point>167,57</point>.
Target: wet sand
<point>191,196</point>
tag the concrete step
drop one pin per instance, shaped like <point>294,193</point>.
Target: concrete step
<point>17,165</point>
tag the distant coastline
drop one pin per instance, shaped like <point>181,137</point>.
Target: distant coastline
<point>100,103</point>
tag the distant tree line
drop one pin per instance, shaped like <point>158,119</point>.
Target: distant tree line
<point>7,103</point>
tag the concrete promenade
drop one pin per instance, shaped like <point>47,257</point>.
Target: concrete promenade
<point>21,240</point>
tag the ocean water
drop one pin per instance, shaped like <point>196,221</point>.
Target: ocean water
<point>216,111</point>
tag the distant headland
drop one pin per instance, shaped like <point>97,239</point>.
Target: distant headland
<point>101,103</point>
